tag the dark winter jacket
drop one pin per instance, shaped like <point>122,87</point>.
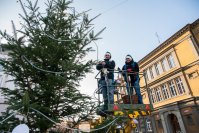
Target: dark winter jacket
<point>110,65</point>
<point>133,68</point>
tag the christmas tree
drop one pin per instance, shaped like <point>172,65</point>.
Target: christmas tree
<point>47,62</point>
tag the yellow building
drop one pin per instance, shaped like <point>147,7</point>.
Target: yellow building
<point>172,74</point>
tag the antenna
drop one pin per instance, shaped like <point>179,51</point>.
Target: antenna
<point>158,37</point>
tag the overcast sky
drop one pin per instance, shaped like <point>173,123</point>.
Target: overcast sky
<point>131,25</point>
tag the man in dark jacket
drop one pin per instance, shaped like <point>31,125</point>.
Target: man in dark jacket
<point>131,71</point>
<point>107,78</point>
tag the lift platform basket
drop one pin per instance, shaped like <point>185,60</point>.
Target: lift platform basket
<point>126,99</point>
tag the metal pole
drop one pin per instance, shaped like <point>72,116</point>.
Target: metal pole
<point>128,90</point>
<point>150,101</point>
<point>97,80</point>
<point>107,89</point>
<point>14,30</point>
<point>98,87</point>
<point>97,51</point>
<point>139,128</point>
<point>98,92</point>
<point>145,124</point>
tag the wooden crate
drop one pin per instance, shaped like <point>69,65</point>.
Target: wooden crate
<point>126,99</point>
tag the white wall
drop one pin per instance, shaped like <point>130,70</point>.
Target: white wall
<point>3,83</point>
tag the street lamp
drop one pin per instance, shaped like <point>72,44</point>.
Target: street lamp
<point>97,50</point>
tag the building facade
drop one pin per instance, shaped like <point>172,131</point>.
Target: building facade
<point>4,79</point>
<point>172,75</point>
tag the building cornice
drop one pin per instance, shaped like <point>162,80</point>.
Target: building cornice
<point>176,103</point>
<point>164,77</point>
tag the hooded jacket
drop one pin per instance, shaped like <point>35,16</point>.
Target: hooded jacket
<point>110,65</point>
<point>131,67</point>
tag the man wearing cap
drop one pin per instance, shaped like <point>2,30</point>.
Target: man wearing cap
<point>131,69</point>
<point>107,78</point>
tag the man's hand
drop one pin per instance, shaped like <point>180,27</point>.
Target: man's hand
<point>103,63</point>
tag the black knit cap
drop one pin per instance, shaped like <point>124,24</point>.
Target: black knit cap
<point>108,53</point>
<point>129,56</point>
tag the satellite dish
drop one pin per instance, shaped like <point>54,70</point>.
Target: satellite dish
<point>22,128</point>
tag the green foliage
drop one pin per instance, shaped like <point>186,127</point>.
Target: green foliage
<point>47,63</point>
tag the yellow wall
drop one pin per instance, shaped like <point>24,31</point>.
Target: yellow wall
<point>186,52</point>
<point>170,100</point>
<point>193,82</point>
<point>185,55</point>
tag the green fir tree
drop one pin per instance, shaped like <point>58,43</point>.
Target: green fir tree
<point>47,63</point>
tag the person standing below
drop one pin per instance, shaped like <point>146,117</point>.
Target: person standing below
<point>131,71</point>
<point>107,79</point>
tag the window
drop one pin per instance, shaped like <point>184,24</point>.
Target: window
<point>157,69</point>
<point>158,94</point>
<point>148,124</point>
<point>165,92</point>
<point>172,89</point>
<point>164,65</point>
<point>145,72</point>
<point>148,74</point>
<point>151,72</point>
<point>190,120</point>
<point>180,86</point>
<point>152,95</point>
<point>171,61</point>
